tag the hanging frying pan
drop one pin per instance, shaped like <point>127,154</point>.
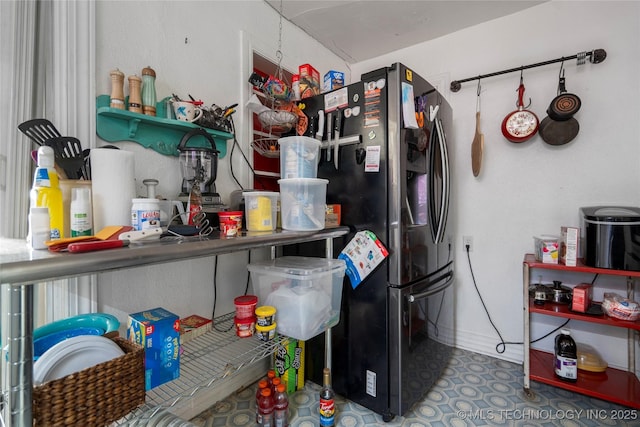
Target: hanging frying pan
<point>565,105</point>
<point>521,124</point>
<point>558,133</point>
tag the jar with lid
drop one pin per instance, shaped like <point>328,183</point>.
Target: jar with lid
<point>148,91</point>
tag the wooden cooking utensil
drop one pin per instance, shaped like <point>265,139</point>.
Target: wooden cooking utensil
<point>477,146</point>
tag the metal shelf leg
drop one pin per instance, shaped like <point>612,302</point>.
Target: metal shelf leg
<point>19,362</point>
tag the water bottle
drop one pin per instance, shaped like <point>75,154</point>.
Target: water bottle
<point>566,357</point>
<point>281,407</point>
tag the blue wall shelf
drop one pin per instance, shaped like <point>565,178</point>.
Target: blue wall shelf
<point>157,133</point>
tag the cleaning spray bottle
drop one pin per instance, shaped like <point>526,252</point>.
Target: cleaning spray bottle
<point>46,192</point>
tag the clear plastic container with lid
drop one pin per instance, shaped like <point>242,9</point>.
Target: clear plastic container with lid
<point>299,157</point>
<point>261,210</point>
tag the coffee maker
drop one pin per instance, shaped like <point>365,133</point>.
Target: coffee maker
<point>200,165</point>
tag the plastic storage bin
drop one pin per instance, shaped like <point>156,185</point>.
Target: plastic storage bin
<point>306,293</point>
<point>261,210</point>
<point>299,156</point>
<point>303,203</point>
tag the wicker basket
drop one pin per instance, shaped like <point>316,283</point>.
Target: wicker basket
<point>95,396</point>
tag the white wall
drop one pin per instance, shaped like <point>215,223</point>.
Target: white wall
<point>198,48</point>
<point>533,188</point>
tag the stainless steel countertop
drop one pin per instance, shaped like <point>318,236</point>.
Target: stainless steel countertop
<point>20,264</point>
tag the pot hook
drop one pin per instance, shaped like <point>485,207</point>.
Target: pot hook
<point>521,83</point>
<point>561,80</point>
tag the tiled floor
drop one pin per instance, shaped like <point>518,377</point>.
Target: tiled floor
<point>475,390</point>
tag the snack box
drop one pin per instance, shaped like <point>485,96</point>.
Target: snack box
<point>193,326</point>
<point>332,217</point>
<point>309,81</point>
<point>158,331</point>
<point>582,295</point>
<point>333,80</point>
<point>289,364</point>
<point>569,245</point>
<point>546,249</point>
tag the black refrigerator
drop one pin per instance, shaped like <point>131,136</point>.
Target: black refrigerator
<point>384,152</point>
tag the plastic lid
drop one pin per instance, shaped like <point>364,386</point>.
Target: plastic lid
<point>265,310</point>
<point>46,158</point>
<point>260,193</point>
<point>565,332</point>
<point>246,300</point>
<point>612,213</point>
<point>280,388</point>
<point>298,267</point>
<point>266,391</point>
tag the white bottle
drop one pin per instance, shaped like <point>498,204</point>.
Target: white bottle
<point>81,215</point>
<point>39,227</point>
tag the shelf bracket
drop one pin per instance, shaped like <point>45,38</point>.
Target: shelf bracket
<point>133,127</point>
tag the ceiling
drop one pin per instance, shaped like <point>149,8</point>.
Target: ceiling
<point>358,30</point>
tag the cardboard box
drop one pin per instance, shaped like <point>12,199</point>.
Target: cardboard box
<point>569,237</point>
<point>332,217</point>
<point>546,249</point>
<point>158,331</point>
<point>309,81</point>
<point>193,326</point>
<point>289,364</point>
<point>333,80</point>
<point>582,296</point>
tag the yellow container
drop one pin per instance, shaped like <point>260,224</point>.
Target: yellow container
<point>266,315</point>
<point>266,333</point>
<point>261,210</point>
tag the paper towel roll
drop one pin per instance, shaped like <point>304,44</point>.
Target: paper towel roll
<point>113,178</point>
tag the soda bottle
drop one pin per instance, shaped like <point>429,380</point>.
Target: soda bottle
<point>566,357</point>
<point>265,408</point>
<point>262,384</point>
<point>327,401</point>
<point>281,407</point>
<point>46,192</point>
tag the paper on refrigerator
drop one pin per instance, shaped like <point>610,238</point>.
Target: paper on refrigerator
<point>362,255</point>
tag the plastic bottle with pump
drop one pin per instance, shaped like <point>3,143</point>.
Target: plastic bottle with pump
<point>81,223</point>
<point>46,192</point>
<point>280,407</point>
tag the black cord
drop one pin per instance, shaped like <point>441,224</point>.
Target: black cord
<point>215,297</point>
<point>236,143</point>
<point>502,345</point>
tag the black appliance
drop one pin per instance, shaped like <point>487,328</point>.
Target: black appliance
<point>384,153</point>
<point>611,237</point>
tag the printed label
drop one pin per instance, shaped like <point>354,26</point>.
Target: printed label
<point>566,367</point>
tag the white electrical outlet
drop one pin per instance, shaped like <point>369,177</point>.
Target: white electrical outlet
<point>467,241</point>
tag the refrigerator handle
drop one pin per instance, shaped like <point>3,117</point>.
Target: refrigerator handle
<point>446,185</point>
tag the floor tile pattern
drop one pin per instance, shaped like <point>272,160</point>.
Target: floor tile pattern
<point>475,390</point>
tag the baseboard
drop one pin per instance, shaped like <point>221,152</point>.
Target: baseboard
<point>483,344</point>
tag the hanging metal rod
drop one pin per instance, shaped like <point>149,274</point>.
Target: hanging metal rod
<point>596,56</point>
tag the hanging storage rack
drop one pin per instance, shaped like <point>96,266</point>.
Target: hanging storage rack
<point>596,56</point>
<point>275,121</point>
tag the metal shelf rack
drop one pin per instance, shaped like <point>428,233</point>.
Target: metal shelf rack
<point>21,268</point>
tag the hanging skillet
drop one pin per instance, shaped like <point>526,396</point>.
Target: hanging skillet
<point>560,127</point>
<point>521,124</point>
<point>565,105</point>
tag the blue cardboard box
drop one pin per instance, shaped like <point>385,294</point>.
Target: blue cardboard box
<point>158,331</point>
<point>332,80</point>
